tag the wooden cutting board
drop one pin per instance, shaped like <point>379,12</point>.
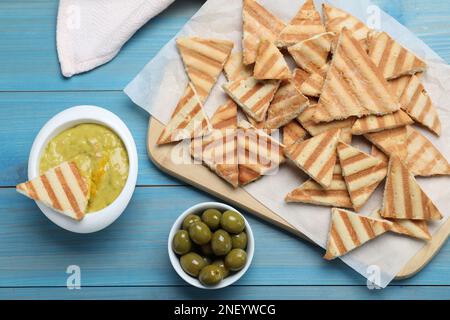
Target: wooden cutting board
<point>201,177</point>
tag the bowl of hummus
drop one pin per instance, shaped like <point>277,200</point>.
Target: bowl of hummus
<point>102,147</point>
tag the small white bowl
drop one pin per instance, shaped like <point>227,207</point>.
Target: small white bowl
<point>175,260</point>
<point>66,119</point>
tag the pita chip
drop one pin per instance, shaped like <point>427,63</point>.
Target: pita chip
<point>258,23</point>
<point>349,230</point>
<point>336,195</point>
<point>398,85</point>
<point>377,153</point>
<point>391,141</point>
<point>293,132</point>
<point>305,24</point>
<point>312,54</point>
<point>188,119</point>
<point>373,123</point>
<point>393,60</point>
<point>298,77</point>
<point>354,86</point>
<point>235,69</point>
<point>61,188</point>
<point>316,156</point>
<point>417,103</point>
<point>204,60</point>
<point>362,173</point>
<point>252,95</point>
<point>286,105</point>
<point>225,116</point>
<point>270,63</point>
<point>423,158</point>
<point>312,86</point>
<point>403,197</point>
<point>412,228</point>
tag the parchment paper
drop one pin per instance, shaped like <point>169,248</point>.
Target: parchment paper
<point>158,87</point>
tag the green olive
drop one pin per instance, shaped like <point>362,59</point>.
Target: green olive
<point>221,242</point>
<point>221,265</point>
<point>207,261</point>
<point>236,259</point>
<point>199,233</point>
<point>192,263</point>
<point>181,243</point>
<point>206,249</point>
<point>212,218</point>
<point>232,222</point>
<point>239,241</point>
<point>190,219</point>
<point>210,275</point>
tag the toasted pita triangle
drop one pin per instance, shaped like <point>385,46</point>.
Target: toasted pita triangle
<point>423,158</point>
<point>362,173</point>
<point>293,132</point>
<point>412,228</point>
<point>316,156</point>
<point>306,119</point>
<point>225,116</point>
<point>204,60</point>
<point>312,86</point>
<point>377,153</point>
<point>373,123</point>
<point>354,86</point>
<point>403,197</point>
<point>336,195</point>
<point>349,230</point>
<point>417,103</point>
<point>61,188</point>
<point>390,141</point>
<point>235,69</point>
<point>286,105</point>
<point>337,19</point>
<point>393,60</point>
<point>298,77</point>
<point>258,23</point>
<point>304,25</point>
<point>258,153</point>
<point>398,85</point>
<point>270,63</point>
<point>188,119</point>
<point>253,96</point>
<point>312,54</point>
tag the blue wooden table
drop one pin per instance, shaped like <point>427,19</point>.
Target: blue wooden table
<point>129,259</point>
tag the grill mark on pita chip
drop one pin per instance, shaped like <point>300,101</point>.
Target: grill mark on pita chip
<point>204,60</point>
<point>423,158</point>
<point>61,188</point>
<point>286,105</point>
<point>417,103</point>
<point>403,197</point>
<point>252,95</point>
<point>312,86</point>
<point>362,173</point>
<point>293,132</point>
<point>316,156</point>
<point>354,84</point>
<point>270,63</point>
<point>374,123</point>
<point>336,195</point>
<point>390,141</point>
<point>235,69</point>
<point>391,57</point>
<point>349,230</point>
<point>412,228</point>
<point>258,23</point>
<point>398,85</point>
<point>298,77</point>
<point>188,120</point>
<point>225,116</point>
<point>312,54</point>
<point>305,24</point>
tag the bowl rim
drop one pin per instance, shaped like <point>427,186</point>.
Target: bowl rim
<point>69,118</point>
<point>176,262</point>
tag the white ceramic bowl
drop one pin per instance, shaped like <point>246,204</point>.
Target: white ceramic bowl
<point>175,260</point>
<point>66,119</point>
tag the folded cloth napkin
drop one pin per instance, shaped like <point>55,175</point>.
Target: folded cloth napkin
<point>91,32</point>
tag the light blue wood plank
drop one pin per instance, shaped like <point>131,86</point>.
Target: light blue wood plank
<point>233,293</point>
<point>34,252</point>
<point>28,58</point>
<point>23,114</point>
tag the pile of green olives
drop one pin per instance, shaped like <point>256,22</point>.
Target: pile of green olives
<point>212,245</point>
